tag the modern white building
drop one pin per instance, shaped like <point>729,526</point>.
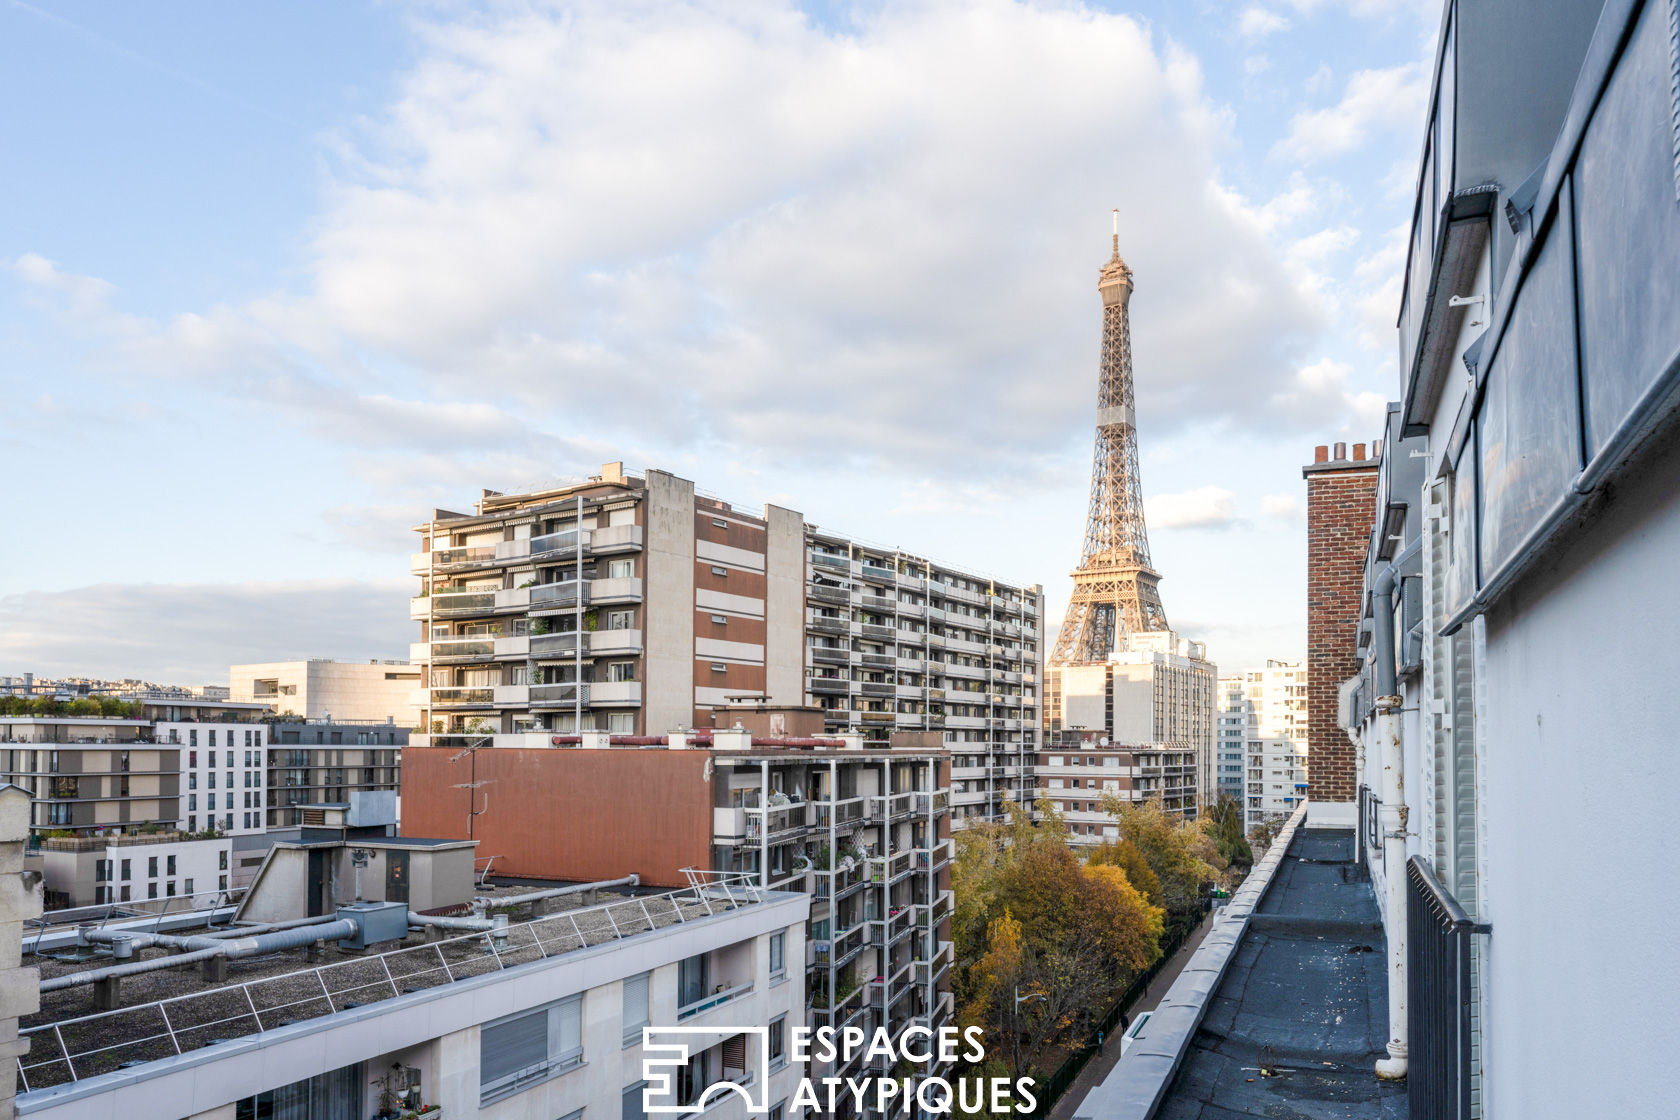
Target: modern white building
<point>141,867</point>
<point>1232,733</point>
<point>535,1020</point>
<point>224,774</point>
<point>320,688</point>
<point>1157,688</point>
<point>1274,742</point>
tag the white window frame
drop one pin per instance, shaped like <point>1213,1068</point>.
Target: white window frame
<point>557,1061</point>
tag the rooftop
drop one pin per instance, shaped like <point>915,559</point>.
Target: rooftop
<point>1283,1012</point>
<point>172,1011</point>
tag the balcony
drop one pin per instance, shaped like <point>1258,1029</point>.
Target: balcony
<point>551,546</point>
<point>878,604</point>
<point>824,625</point>
<point>828,655</point>
<point>834,596</point>
<point>825,560</point>
<point>549,598</point>
<point>614,642</point>
<point>829,685</point>
<point>558,695</point>
<point>622,589</point>
<point>713,1001</point>
<point>615,538</point>
<point>616,693</point>
<point>886,577</point>
<point>548,647</point>
<point>879,633</point>
<point>463,697</point>
<point>511,695</point>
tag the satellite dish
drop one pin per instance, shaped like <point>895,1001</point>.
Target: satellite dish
<point>1103,742</point>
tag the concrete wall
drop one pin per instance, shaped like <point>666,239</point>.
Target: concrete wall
<point>569,812</point>
<point>1084,705</point>
<point>20,900</point>
<point>784,606</point>
<point>346,690</point>
<point>668,604</point>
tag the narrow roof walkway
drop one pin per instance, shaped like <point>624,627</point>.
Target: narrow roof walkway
<point>1286,1011</point>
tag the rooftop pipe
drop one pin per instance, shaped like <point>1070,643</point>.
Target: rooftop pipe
<point>1393,812</point>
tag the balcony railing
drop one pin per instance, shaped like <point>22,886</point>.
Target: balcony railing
<point>716,999</point>
<point>556,645</point>
<point>564,693</point>
<point>1440,996</point>
<point>459,697</point>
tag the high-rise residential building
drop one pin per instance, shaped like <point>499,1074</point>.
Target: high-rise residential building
<point>898,642</point>
<point>320,688</point>
<point>1155,690</point>
<point>1275,751</point>
<point>1229,753</point>
<point>864,828</point>
<point>633,605</point>
<point>1115,649</point>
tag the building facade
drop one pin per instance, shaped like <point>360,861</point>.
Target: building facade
<point>323,689</point>
<point>168,866</point>
<point>1230,754</point>
<point>864,830</point>
<point>1078,770</point>
<point>897,642</point>
<point>1156,690</point>
<point>1275,751</point>
<point>310,762</point>
<point>1518,574</point>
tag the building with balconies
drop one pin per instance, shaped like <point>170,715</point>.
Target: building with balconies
<point>626,604</point>
<point>897,642</point>
<point>311,762</point>
<point>1274,742</point>
<point>1156,688</point>
<point>1235,714</point>
<point>1077,770</point>
<point>862,827</point>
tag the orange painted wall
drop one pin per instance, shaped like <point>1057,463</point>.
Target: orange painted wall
<point>568,813</point>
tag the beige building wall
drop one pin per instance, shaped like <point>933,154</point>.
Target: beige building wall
<point>784,606</point>
<point>344,690</point>
<point>668,693</point>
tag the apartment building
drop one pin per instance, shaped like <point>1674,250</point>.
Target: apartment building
<point>862,828</point>
<point>1275,742</point>
<point>320,761</point>
<point>897,642</point>
<point>224,775</point>
<point>324,689</point>
<point>625,604</point>
<point>86,774</point>
<point>1155,689</point>
<point>169,867</point>
<point>1229,751</point>
<point>1078,769</point>
<point>537,1018</point>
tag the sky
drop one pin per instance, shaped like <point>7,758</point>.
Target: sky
<point>277,280</point>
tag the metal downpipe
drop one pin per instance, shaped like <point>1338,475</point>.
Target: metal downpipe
<point>1393,813</point>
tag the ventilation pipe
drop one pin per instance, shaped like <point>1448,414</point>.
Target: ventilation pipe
<point>483,905</point>
<point>1393,818</point>
<point>201,949</point>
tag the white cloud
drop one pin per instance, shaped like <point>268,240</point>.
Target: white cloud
<point>1320,398</point>
<point>1257,23</point>
<point>1286,507</point>
<point>191,633</point>
<point>1208,507</point>
<point>1379,277</point>
<point>1389,99</point>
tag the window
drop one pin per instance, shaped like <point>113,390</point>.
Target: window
<point>192,824</point>
<point>212,738</point>
<point>151,867</point>
<point>151,890</point>
<point>221,885</point>
<point>620,620</point>
<point>778,956</point>
<point>692,987</point>
<point>210,779</point>
<point>778,1042</point>
<point>170,862</point>
<point>635,1007</point>
<point>717,571</point>
<point>192,756</point>
<point>171,891</point>
<point>621,569</point>
<point>621,671</point>
<point>338,1095</point>
<point>187,887</point>
<point>125,870</point>
<point>127,893</point>
<point>721,619</point>
<point>192,741</point>
<point>632,1109</point>
<point>522,1050</point>
<point>719,667</point>
<point>192,781</point>
<point>212,803</point>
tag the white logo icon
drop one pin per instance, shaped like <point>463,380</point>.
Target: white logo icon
<point>660,1062</point>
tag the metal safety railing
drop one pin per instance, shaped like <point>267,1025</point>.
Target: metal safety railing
<point>79,1048</point>
<point>1439,998</point>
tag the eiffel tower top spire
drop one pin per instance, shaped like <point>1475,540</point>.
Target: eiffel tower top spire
<point>1115,591</point>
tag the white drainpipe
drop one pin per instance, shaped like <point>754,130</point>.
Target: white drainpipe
<point>1393,817</point>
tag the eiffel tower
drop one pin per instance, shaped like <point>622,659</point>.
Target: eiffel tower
<point>1115,591</point>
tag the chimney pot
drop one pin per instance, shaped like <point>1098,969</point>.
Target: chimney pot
<point>1359,452</point>
<point>1321,453</point>
<point>1376,449</point>
<point>1341,452</point>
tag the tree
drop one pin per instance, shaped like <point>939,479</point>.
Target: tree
<point>1167,842</point>
<point>1223,822</point>
<point>1125,855</point>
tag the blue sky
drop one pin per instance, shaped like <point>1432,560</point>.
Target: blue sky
<point>277,279</point>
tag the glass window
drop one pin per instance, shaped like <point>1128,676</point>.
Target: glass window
<point>519,1051</point>
<point>635,1007</point>
<point>632,1106</point>
<point>329,1096</point>
<point>692,983</point>
<point>778,1042</point>
<point>778,955</point>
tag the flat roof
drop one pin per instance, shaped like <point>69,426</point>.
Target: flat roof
<point>1300,1017</point>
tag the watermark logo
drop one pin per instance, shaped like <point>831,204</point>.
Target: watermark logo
<point>687,1069</point>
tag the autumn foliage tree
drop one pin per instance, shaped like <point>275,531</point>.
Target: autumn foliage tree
<point>1044,942</point>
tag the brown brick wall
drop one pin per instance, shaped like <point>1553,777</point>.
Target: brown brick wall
<point>1341,508</point>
